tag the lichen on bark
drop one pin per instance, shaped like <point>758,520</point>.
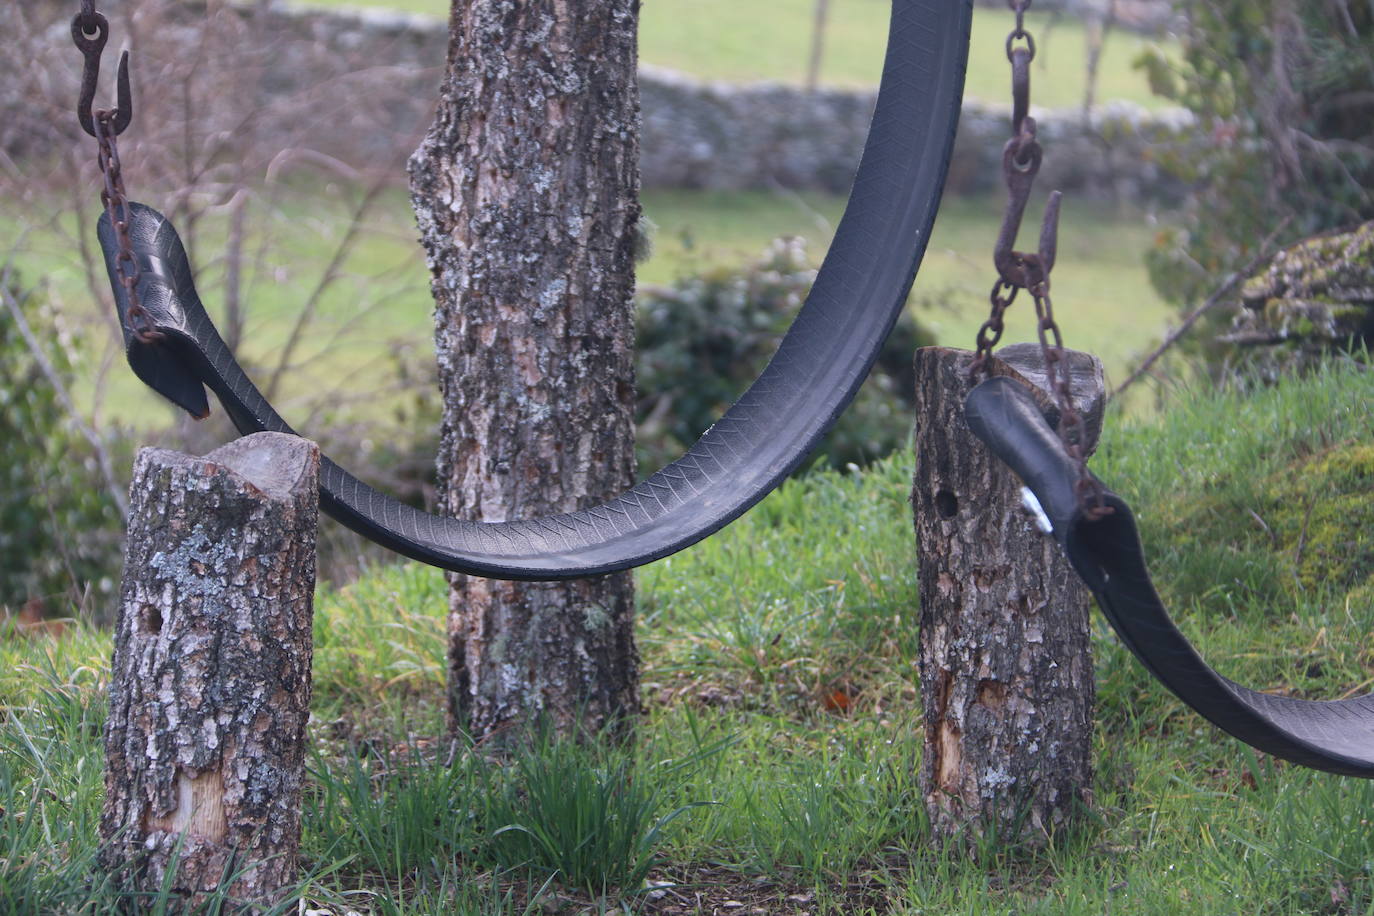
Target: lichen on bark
<point>526,193</point>
<point>210,684</point>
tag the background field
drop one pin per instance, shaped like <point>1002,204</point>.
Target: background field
<point>375,312</point>
<point>380,305</point>
<point>771,39</point>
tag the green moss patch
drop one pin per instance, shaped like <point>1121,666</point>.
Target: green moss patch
<point>1306,528</point>
<point>1328,518</point>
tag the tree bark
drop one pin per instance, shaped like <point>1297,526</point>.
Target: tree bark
<point>526,192</point>
<point>210,686</point>
<point>1006,674</point>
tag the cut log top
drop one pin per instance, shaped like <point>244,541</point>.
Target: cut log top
<point>1087,384</point>
<point>275,464</point>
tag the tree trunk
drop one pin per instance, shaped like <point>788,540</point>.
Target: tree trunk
<point>1006,675</point>
<point>210,686</point>
<point>1097,20</point>
<point>526,192</point>
<point>813,64</point>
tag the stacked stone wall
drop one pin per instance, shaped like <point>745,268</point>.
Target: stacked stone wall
<point>356,89</point>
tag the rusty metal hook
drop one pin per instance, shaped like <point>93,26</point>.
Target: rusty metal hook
<point>1020,164</point>
<point>90,31</point>
<point>1049,232</point>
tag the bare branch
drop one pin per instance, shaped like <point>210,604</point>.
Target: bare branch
<point>1212,301</point>
<point>327,279</point>
<point>813,67</point>
<point>233,269</point>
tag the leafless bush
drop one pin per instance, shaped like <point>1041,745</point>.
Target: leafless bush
<point>252,138</point>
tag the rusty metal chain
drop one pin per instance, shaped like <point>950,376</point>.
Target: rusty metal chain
<point>90,32</point>
<point>117,207</point>
<point>1018,270</point>
<point>1072,429</point>
<point>1003,295</point>
<point>1021,159</point>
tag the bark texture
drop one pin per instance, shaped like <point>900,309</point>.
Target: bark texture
<point>1006,675</point>
<point>526,192</point>
<point>210,687</point>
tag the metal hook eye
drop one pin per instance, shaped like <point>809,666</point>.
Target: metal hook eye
<point>90,32</point>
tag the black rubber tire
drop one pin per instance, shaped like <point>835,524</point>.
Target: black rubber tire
<point>1332,735</point>
<point>858,295</point>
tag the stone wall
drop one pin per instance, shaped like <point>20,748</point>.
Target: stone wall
<point>269,82</point>
<point>1149,17</point>
<point>714,136</point>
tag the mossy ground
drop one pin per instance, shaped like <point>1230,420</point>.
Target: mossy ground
<point>1313,297</point>
<point>1306,528</point>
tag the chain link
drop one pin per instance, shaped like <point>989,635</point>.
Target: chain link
<point>1002,296</point>
<point>1031,270</point>
<point>116,203</point>
<point>90,31</point>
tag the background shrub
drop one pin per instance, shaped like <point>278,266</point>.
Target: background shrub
<point>1284,96</point>
<point>60,526</point>
<point>704,339</point>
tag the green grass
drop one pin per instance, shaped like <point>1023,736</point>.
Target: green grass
<point>744,785</point>
<point>771,40</point>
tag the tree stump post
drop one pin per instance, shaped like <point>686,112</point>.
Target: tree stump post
<point>1006,674</point>
<point>210,686</point>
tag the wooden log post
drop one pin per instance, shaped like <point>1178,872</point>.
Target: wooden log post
<point>210,687</point>
<point>1006,675</point>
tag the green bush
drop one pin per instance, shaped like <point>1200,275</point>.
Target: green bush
<point>60,527</point>
<point>1284,97</point>
<point>703,340</point>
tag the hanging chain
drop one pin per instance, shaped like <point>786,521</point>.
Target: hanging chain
<point>1002,296</point>
<point>1018,270</point>
<point>117,208</point>
<point>90,32</point>
<point>1020,164</point>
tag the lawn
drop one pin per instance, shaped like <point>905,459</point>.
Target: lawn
<point>771,40</point>
<point>789,805</point>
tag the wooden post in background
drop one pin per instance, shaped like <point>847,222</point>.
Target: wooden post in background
<point>1006,675</point>
<point>210,687</point>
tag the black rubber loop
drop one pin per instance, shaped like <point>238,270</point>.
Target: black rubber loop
<point>858,295</point>
<point>1332,735</point>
